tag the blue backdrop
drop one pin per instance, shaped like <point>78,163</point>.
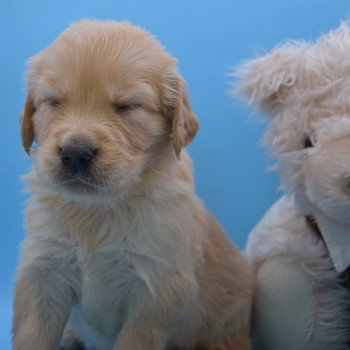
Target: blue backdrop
<point>208,37</point>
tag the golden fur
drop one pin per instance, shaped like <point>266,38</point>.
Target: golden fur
<point>125,252</point>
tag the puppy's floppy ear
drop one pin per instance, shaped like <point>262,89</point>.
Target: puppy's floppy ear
<point>178,108</point>
<point>265,81</point>
<point>27,128</point>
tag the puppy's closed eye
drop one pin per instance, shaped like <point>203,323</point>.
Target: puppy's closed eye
<point>124,108</point>
<point>52,101</point>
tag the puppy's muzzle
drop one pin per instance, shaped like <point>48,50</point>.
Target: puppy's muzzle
<point>77,156</point>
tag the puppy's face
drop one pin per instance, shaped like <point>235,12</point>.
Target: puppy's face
<point>104,104</point>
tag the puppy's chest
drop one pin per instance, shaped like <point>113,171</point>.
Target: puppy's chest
<point>106,269</point>
<point>115,257</point>
<point>107,278</point>
<point>109,255</point>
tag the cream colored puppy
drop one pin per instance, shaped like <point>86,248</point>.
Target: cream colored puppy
<point>117,242</point>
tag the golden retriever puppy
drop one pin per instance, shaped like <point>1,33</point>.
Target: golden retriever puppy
<point>118,245</point>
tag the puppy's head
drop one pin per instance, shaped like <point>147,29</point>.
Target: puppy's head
<point>105,103</point>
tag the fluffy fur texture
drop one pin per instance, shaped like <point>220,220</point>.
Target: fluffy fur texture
<point>305,88</point>
<point>124,249</point>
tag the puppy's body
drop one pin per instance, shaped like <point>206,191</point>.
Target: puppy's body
<point>165,249</point>
<point>122,244</point>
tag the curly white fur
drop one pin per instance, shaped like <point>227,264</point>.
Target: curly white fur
<point>305,89</point>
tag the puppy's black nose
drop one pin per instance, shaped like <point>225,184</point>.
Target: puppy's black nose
<point>77,156</point>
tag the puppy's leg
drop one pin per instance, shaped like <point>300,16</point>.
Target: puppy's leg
<point>153,313</point>
<point>44,294</point>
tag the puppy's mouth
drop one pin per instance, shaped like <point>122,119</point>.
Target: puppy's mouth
<point>77,183</point>
<point>80,185</point>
